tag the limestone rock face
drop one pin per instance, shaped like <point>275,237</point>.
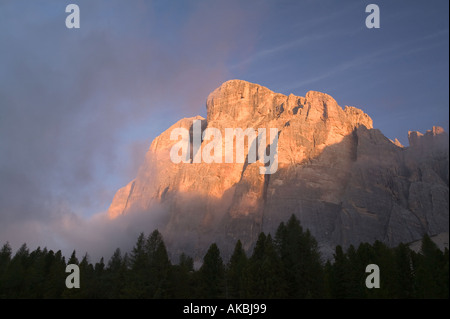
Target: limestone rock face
<point>343,179</point>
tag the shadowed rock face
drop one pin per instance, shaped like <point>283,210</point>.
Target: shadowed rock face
<point>343,179</point>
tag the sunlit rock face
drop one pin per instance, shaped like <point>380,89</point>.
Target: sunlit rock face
<point>344,180</point>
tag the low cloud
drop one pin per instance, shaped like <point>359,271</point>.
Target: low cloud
<point>98,235</point>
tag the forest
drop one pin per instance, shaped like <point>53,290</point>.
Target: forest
<point>287,266</point>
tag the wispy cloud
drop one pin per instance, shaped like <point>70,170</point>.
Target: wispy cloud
<point>395,51</point>
<point>293,44</point>
<point>308,31</point>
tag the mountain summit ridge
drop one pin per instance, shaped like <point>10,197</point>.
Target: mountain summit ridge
<point>344,180</point>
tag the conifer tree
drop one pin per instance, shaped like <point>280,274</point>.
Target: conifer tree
<point>339,275</point>
<point>404,283</point>
<point>98,275</point>
<point>5,258</point>
<point>299,253</point>
<point>212,274</point>
<point>181,284</point>
<point>16,274</point>
<point>115,276</point>
<point>159,265</point>
<point>236,273</point>
<point>73,259</point>
<point>5,255</point>
<point>36,274</point>
<point>430,272</point>
<point>265,278</point>
<point>55,284</point>
<point>186,262</point>
<point>138,282</point>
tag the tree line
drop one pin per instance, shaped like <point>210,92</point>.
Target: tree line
<point>286,266</point>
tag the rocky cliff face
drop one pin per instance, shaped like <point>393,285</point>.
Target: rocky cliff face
<point>343,179</point>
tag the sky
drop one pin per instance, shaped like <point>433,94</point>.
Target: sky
<point>80,107</point>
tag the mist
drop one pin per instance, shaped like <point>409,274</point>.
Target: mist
<point>79,108</point>
<point>98,235</point>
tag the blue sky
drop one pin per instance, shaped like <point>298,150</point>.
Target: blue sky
<point>80,107</point>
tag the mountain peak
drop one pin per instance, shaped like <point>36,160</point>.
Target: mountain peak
<point>245,103</point>
<point>345,181</point>
<point>239,100</point>
<point>435,136</point>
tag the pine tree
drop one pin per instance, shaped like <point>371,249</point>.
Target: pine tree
<point>356,275</point>
<point>445,275</point>
<point>186,262</point>
<point>314,283</point>
<point>404,283</point>
<point>55,283</point>
<point>5,255</point>
<point>159,265</point>
<point>5,259</point>
<point>212,274</point>
<point>236,273</point>
<point>115,276</point>
<point>328,279</point>
<point>299,253</point>
<point>16,273</point>
<point>36,274</point>
<point>139,257</point>
<point>181,283</point>
<point>73,259</point>
<point>255,286</point>
<point>430,271</point>
<point>339,275</point>
<point>138,282</point>
<point>272,269</point>
<point>265,278</point>
<point>99,284</point>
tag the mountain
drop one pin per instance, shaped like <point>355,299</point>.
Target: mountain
<point>344,180</point>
